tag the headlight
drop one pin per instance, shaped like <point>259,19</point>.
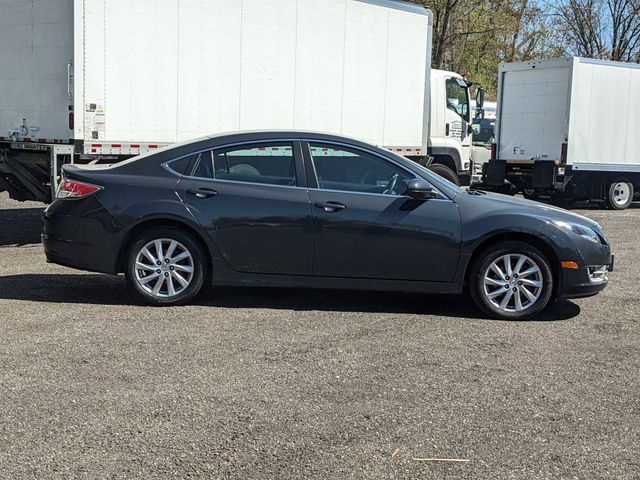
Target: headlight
<point>581,230</point>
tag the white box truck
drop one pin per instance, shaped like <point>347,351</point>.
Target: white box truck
<point>567,130</point>
<point>104,80</point>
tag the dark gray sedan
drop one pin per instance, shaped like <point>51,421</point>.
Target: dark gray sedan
<point>315,210</point>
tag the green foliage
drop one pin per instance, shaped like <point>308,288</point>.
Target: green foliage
<point>472,37</point>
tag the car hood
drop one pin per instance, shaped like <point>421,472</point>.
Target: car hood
<point>497,202</point>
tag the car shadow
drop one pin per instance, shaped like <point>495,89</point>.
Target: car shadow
<point>20,226</point>
<point>112,290</point>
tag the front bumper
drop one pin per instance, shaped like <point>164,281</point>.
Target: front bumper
<point>586,281</point>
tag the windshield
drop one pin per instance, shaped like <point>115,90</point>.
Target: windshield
<point>483,131</point>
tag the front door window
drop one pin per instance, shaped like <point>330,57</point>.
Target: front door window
<point>357,171</point>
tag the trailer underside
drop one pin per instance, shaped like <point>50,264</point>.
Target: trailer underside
<point>31,171</point>
<point>553,181</point>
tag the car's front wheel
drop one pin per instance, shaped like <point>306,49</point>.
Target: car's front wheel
<point>511,280</point>
<point>165,266</point>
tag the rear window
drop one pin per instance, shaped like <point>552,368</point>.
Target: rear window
<point>180,166</point>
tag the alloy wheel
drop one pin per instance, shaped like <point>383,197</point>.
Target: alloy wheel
<point>513,282</point>
<point>164,268</point>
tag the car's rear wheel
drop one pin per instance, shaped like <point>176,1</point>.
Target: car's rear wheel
<point>511,280</point>
<point>165,266</point>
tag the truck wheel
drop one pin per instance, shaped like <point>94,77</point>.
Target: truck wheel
<point>511,280</point>
<point>165,266</point>
<point>445,172</point>
<point>620,194</point>
<point>530,194</point>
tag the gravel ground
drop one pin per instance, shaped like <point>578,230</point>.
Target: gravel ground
<point>310,384</point>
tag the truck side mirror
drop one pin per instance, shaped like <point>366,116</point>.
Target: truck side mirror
<point>479,98</point>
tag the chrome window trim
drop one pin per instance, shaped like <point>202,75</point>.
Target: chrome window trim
<point>385,195</point>
<point>242,182</point>
<point>167,166</point>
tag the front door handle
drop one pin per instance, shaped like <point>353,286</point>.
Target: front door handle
<point>202,192</point>
<point>330,206</point>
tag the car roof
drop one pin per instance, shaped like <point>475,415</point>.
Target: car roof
<point>186,147</point>
<point>251,135</point>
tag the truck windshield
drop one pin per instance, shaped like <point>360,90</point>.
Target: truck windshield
<point>457,98</point>
<point>483,131</point>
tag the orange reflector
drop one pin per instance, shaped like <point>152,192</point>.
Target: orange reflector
<point>570,265</point>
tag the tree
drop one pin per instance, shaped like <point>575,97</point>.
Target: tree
<point>605,29</point>
<point>473,36</point>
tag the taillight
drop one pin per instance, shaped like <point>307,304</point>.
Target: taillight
<point>493,151</point>
<point>71,121</point>
<point>73,189</point>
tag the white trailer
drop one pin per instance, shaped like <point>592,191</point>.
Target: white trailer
<point>568,130</point>
<point>104,80</point>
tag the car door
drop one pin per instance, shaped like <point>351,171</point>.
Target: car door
<point>365,227</point>
<point>251,201</point>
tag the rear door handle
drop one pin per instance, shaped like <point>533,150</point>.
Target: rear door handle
<point>202,192</point>
<point>330,206</point>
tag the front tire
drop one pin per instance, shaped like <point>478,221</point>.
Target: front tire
<point>165,267</point>
<point>511,280</point>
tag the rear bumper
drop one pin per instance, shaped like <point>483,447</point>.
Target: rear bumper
<point>76,255</point>
<point>85,241</point>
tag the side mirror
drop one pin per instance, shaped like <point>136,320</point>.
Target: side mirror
<point>420,189</point>
<point>479,98</point>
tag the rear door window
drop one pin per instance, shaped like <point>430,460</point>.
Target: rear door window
<point>269,163</point>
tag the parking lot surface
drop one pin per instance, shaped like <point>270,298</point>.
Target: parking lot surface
<point>310,384</point>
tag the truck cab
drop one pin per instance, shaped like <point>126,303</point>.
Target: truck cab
<point>450,134</point>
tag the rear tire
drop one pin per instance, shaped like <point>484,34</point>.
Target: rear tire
<point>445,172</point>
<point>517,290</point>
<point>620,194</point>
<point>165,266</point>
